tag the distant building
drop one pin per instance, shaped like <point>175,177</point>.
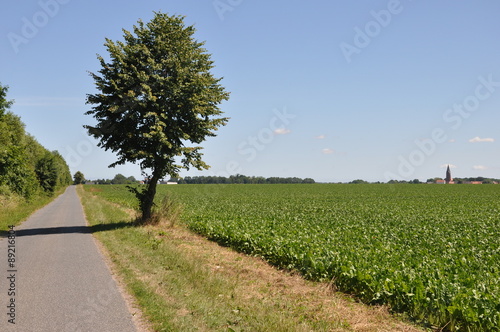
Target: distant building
<point>168,182</point>
<point>440,181</point>
<point>448,179</point>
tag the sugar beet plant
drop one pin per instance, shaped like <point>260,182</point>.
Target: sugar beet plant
<point>432,252</point>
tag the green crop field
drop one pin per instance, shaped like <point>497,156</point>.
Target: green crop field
<point>430,251</point>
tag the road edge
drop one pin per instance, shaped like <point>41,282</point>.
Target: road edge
<point>138,317</point>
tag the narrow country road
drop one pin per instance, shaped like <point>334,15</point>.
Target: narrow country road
<point>58,280</point>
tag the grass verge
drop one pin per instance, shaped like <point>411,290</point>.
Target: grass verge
<point>182,282</point>
<point>15,210</point>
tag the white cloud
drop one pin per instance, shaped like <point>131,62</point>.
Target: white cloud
<point>282,131</point>
<point>478,139</point>
<point>452,140</point>
<point>327,151</point>
<point>321,137</point>
<point>479,167</point>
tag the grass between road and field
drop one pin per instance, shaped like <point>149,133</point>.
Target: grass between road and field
<point>183,282</point>
<point>15,209</point>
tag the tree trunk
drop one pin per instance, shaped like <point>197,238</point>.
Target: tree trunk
<point>148,198</point>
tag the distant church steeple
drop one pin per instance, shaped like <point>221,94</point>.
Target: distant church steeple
<point>448,178</point>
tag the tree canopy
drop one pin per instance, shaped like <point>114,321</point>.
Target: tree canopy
<point>4,103</point>
<point>26,167</point>
<point>157,100</point>
<point>78,178</point>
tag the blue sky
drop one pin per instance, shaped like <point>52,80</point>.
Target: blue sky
<point>333,90</point>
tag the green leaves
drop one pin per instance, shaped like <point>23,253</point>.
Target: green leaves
<point>429,251</point>
<point>25,165</point>
<point>78,178</point>
<point>157,97</point>
<point>4,103</point>
<point>157,87</point>
<point>52,172</point>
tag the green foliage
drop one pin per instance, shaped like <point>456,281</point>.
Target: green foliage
<point>26,167</point>
<point>157,95</point>
<point>140,193</point>
<point>63,172</point>
<point>429,251</point>
<point>358,181</point>
<point>241,179</point>
<point>4,103</point>
<point>52,172</point>
<point>46,172</point>
<point>121,179</point>
<point>118,179</point>
<point>476,179</point>
<point>182,292</point>
<point>34,150</point>
<point>167,211</point>
<point>16,173</point>
<point>78,178</point>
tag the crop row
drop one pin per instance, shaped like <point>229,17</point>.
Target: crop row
<point>430,251</point>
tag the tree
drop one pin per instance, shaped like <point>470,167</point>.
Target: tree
<point>16,172</point>
<point>4,103</point>
<point>78,178</point>
<point>121,179</point>
<point>25,165</point>
<point>46,173</point>
<point>63,172</point>
<point>52,172</point>
<point>157,97</point>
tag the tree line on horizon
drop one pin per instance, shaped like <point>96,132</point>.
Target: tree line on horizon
<point>471,179</point>
<point>432,180</point>
<point>118,179</point>
<point>27,169</point>
<point>233,179</point>
<point>242,179</point>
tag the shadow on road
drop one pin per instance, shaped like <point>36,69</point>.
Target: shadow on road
<point>69,229</point>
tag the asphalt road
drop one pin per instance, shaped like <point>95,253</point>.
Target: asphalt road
<point>58,280</point>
